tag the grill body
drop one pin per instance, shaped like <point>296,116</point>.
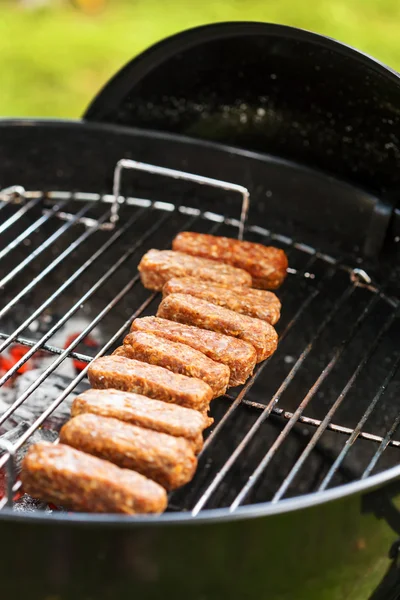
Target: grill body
<point>303,541</point>
<point>333,550</point>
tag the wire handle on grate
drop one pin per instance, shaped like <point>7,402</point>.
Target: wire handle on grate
<point>14,193</point>
<point>126,163</point>
<point>7,446</point>
<point>361,277</point>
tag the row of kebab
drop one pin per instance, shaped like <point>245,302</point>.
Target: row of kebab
<point>135,435</point>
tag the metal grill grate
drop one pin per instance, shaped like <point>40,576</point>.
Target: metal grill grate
<point>335,371</point>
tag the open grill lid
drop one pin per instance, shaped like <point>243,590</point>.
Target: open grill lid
<point>271,89</point>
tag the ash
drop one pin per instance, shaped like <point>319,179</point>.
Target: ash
<point>28,504</point>
<point>40,399</point>
<point>49,389</point>
<point>22,418</point>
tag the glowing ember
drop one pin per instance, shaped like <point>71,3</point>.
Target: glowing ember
<point>10,358</point>
<point>39,399</point>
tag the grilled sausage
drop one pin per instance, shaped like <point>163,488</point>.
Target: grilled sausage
<point>156,382</point>
<point>144,412</point>
<point>166,459</point>
<point>158,266</point>
<point>259,304</point>
<point>120,351</point>
<point>78,481</point>
<point>178,358</point>
<point>239,356</point>
<point>267,265</point>
<point>193,311</point>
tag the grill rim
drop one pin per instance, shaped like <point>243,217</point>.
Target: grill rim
<point>262,509</point>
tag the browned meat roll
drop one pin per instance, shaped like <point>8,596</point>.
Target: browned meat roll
<point>158,266</point>
<point>178,358</point>
<point>267,265</point>
<point>144,412</point>
<point>78,481</point>
<point>120,351</point>
<point>239,356</point>
<point>193,311</point>
<point>168,460</point>
<point>259,304</point>
<point>131,375</point>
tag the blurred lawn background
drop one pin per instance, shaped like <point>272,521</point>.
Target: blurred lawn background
<point>55,57</point>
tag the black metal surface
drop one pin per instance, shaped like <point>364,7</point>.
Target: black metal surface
<point>273,89</point>
<point>343,122</point>
<point>336,550</point>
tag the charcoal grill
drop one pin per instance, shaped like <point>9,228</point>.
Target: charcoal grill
<point>295,494</point>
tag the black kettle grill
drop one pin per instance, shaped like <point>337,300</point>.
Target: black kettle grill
<point>297,488</point>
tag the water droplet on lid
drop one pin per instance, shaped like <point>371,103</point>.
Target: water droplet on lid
<point>289,359</point>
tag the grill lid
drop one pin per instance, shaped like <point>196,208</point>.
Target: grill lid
<point>271,89</point>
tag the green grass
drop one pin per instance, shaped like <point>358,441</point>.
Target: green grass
<point>54,60</point>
